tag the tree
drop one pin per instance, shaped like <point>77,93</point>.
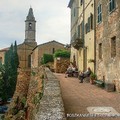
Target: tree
<point>47,58</point>
<point>62,53</point>
<point>9,77</point>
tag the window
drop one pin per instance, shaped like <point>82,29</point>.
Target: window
<point>113,47</point>
<point>100,51</point>
<point>74,12</point>
<point>88,26</point>
<point>53,51</point>
<point>82,30</point>
<point>81,2</point>
<point>30,25</point>
<point>112,5</point>
<point>99,10</point>
<point>29,61</point>
<point>91,21</point>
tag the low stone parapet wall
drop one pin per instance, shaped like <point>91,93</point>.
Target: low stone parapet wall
<point>51,105</point>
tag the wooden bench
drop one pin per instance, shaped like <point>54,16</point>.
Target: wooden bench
<point>100,83</point>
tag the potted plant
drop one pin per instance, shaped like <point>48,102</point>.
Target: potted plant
<point>93,77</point>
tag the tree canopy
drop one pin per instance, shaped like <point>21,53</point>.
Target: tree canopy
<point>62,53</point>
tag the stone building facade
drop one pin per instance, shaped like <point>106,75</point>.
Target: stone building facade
<point>82,33</point>
<point>2,54</point>
<point>108,40</point>
<point>48,48</point>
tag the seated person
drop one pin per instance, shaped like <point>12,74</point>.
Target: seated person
<point>75,71</point>
<point>85,74</point>
<point>69,71</point>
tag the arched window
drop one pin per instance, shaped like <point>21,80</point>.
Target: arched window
<point>30,25</point>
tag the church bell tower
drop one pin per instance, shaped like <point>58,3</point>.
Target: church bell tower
<point>30,27</point>
<point>25,49</point>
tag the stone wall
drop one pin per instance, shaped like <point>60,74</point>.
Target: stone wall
<point>108,67</point>
<point>19,95</point>
<point>51,105</point>
<point>35,90</point>
<point>61,64</point>
<point>37,96</point>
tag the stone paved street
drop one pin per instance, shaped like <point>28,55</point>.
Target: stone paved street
<point>78,96</point>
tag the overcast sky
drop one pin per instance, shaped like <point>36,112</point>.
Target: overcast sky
<point>52,16</point>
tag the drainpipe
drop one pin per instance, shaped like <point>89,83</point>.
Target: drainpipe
<point>94,36</point>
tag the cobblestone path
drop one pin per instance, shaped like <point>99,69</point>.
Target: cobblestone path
<point>77,97</point>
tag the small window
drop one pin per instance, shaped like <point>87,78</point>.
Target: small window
<point>53,50</point>
<point>82,29</point>
<point>81,2</point>
<point>29,61</point>
<point>99,10</point>
<point>30,25</point>
<point>112,5</point>
<point>113,47</point>
<point>88,26</point>
<point>91,21</point>
<point>100,51</point>
<point>74,12</point>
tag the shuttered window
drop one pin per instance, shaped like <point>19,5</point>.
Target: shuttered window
<point>112,5</point>
<point>88,26</point>
<point>91,21</point>
<point>81,2</point>
<point>99,10</point>
<point>82,29</point>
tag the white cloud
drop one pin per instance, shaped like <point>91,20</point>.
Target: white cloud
<point>52,16</point>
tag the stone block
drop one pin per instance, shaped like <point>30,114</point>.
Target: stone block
<point>110,87</point>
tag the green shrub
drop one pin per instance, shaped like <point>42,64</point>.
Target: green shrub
<point>47,58</point>
<point>62,53</point>
<point>33,73</point>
